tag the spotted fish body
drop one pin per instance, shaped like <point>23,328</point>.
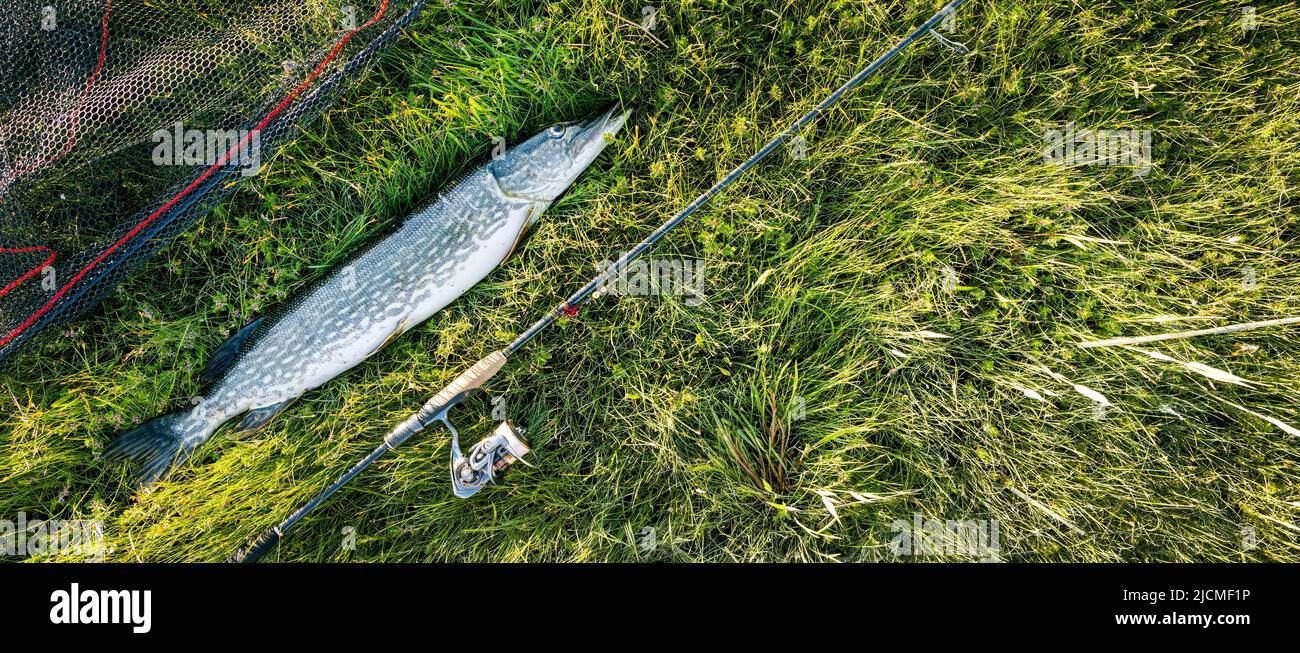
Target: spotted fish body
<point>398,281</point>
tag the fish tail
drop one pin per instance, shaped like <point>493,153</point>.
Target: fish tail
<point>159,445</point>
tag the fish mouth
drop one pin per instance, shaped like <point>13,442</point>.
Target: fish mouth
<point>580,149</point>
<point>605,125</point>
<point>612,120</point>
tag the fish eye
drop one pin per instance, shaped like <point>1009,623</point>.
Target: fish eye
<point>556,131</point>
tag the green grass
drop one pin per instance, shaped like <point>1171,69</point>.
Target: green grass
<point>649,412</point>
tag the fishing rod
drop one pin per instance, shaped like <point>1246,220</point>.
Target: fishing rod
<point>470,473</point>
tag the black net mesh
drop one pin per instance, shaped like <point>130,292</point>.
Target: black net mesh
<point>123,121</point>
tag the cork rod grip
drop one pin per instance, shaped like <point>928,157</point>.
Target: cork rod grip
<point>475,376</point>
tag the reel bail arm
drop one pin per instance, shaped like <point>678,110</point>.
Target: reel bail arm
<point>490,456</point>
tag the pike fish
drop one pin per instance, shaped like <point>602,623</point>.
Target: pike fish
<point>398,281</point>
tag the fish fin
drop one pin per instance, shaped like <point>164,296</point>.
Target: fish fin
<point>528,225</point>
<point>257,418</point>
<point>159,445</point>
<point>225,354</point>
<point>397,333</point>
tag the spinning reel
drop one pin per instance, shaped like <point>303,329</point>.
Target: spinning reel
<point>506,446</point>
<point>490,456</point>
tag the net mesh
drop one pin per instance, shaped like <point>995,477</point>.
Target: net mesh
<point>123,121</point>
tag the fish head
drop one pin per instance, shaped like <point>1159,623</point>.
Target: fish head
<point>543,167</point>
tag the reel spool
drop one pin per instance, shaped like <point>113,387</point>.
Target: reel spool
<point>491,456</point>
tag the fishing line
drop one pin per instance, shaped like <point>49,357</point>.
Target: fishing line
<point>470,473</point>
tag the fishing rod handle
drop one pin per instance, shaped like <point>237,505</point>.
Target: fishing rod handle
<point>256,549</point>
<point>435,408</point>
<point>475,376</point>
